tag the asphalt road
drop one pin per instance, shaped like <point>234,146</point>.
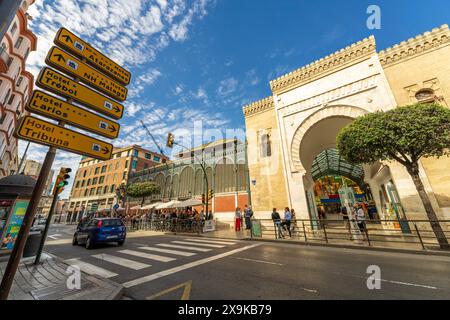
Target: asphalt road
<point>172,267</point>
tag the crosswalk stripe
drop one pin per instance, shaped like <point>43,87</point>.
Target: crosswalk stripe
<point>147,255</point>
<point>90,268</point>
<point>168,245</point>
<point>131,264</point>
<point>176,252</point>
<point>199,244</point>
<point>210,241</point>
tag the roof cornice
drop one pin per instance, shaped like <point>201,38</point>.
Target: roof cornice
<point>422,43</point>
<point>340,59</point>
<point>258,106</point>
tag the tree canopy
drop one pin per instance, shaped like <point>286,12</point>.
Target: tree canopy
<point>404,134</point>
<point>142,189</point>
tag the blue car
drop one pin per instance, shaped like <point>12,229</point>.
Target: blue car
<point>100,230</point>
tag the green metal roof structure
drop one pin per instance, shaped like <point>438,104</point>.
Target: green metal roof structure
<point>329,162</point>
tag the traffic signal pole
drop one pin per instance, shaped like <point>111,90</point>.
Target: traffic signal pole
<point>19,245</point>
<point>47,225</point>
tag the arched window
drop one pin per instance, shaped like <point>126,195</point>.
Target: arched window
<point>425,96</point>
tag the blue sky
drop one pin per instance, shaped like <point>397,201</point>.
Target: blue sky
<point>202,60</point>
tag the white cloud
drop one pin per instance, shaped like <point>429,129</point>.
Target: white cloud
<point>150,77</point>
<point>227,86</point>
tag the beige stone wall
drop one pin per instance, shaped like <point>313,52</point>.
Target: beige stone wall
<point>426,66</point>
<point>270,189</point>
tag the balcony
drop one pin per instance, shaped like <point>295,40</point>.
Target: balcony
<point>5,61</point>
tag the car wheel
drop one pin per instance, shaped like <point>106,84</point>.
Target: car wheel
<point>120,243</point>
<point>74,240</point>
<point>88,243</point>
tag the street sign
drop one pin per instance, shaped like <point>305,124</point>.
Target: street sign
<point>54,81</point>
<point>43,132</point>
<point>52,107</point>
<point>67,40</point>
<point>69,64</point>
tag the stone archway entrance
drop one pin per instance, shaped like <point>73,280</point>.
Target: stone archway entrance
<point>314,139</point>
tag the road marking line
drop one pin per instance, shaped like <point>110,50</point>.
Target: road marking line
<point>147,255</point>
<point>199,244</point>
<point>260,261</point>
<point>176,252</point>
<point>409,284</point>
<point>186,292</point>
<point>55,236</point>
<point>211,241</point>
<point>131,264</point>
<point>189,265</point>
<point>60,241</point>
<point>90,268</point>
<point>183,247</point>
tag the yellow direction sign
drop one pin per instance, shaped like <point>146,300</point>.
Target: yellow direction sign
<point>43,132</point>
<point>49,106</point>
<point>69,64</point>
<point>67,40</point>
<point>56,82</point>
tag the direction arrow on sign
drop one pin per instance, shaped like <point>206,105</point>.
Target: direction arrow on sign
<point>52,107</point>
<point>56,82</point>
<point>67,40</point>
<point>43,132</point>
<point>71,65</point>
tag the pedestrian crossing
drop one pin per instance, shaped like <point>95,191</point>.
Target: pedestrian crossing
<point>143,257</point>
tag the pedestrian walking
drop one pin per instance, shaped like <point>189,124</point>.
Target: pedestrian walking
<point>294,220</point>
<point>237,219</point>
<point>277,222</point>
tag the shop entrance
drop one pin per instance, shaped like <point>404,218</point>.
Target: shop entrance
<point>338,183</point>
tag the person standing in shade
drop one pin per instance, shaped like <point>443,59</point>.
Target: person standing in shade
<point>360,217</point>
<point>277,222</point>
<point>287,221</point>
<point>248,214</point>
<point>237,219</point>
<point>294,220</point>
<point>344,214</point>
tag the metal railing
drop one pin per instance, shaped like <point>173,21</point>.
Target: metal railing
<point>165,225</point>
<point>411,234</point>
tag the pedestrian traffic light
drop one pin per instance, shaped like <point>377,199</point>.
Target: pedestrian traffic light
<point>203,198</point>
<point>170,138</point>
<point>61,180</point>
<point>210,194</point>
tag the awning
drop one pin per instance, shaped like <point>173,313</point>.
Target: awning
<point>170,204</point>
<point>151,205</point>
<point>189,203</point>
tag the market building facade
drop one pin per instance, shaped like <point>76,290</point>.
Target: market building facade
<point>293,161</point>
<point>183,178</point>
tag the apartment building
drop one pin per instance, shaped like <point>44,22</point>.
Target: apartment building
<point>16,85</point>
<point>96,181</point>
<point>33,168</point>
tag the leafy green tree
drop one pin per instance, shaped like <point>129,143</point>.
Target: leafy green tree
<point>404,134</point>
<point>142,189</point>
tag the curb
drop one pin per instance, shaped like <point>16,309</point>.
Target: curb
<point>344,246</point>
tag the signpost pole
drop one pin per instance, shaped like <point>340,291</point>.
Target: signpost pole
<point>47,225</point>
<point>19,245</point>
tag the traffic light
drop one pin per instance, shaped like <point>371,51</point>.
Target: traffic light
<point>61,180</point>
<point>203,198</point>
<point>170,138</point>
<point>210,194</point>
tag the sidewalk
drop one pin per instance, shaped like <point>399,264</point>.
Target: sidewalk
<point>319,241</point>
<point>48,281</point>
